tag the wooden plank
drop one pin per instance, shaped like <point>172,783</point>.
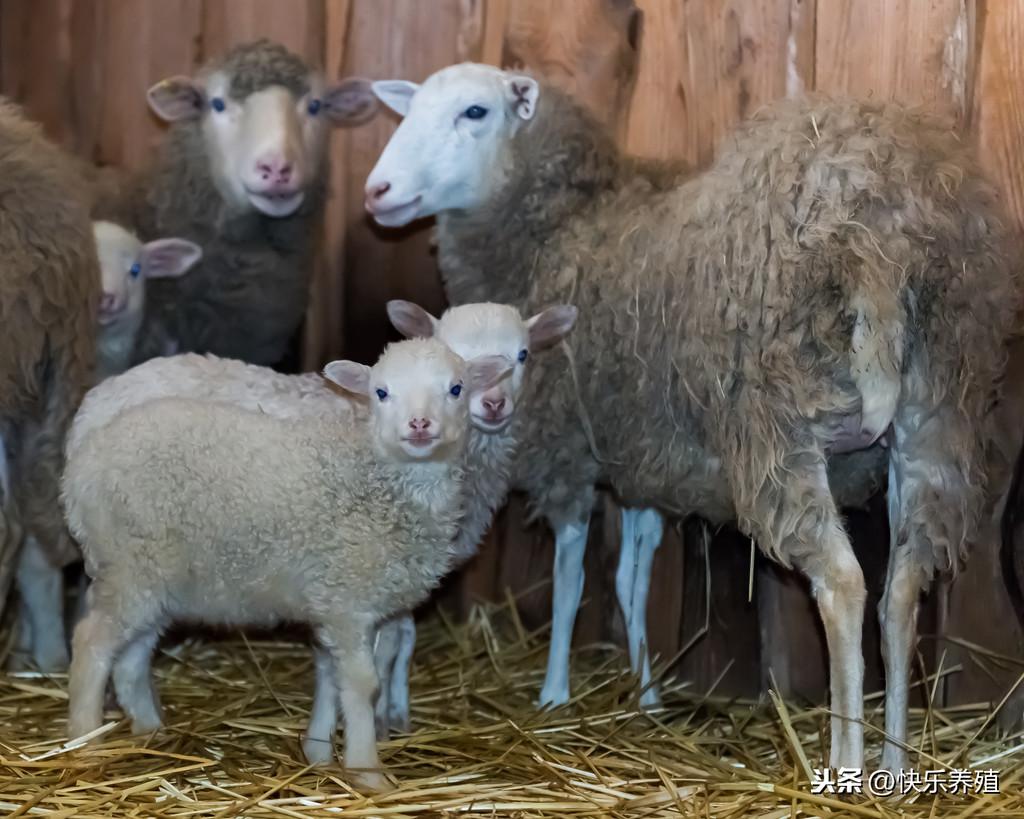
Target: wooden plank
<point>297,24</point>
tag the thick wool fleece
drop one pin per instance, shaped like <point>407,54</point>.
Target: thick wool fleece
<point>207,511</point>
<point>49,293</point>
<point>716,318</point>
<point>247,296</point>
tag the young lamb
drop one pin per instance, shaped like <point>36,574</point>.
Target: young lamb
<point>202,510</point>
<point>718,363</point>
<point>49,290</point>
<point>242,174</point>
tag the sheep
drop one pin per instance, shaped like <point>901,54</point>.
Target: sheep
<point>720,325</point>
<point>336,525</point>
<point>469,330</point>
<point>49,291</point>
<point>242,174</point>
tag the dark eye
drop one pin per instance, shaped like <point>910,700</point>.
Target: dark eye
<point>314,107</point>
<point>217,104</point>
<point>135,270</point>
<point>475,112</point>
<point>522,356</point>
<point>382,394</point>
<point>456,390</point>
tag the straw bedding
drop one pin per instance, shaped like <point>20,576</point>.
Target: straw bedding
<point>235,708</point>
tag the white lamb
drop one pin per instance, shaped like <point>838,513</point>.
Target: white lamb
<point>201,510</point>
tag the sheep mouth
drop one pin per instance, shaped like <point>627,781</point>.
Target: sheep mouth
<point>397,215</point>
<point>420,446</point>
<point>105,317</point>
<point>276,205</point>
<point>491,423</point>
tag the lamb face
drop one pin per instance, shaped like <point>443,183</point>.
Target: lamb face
<point>476,330</point>
<point>419,392</point>
<point>451,151</point>
<point>264,118</point>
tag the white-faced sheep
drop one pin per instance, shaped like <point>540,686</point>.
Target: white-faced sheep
<point>242,174</point>
<point>49,291</point>
<point>176,501</point>
<point>713,368</point>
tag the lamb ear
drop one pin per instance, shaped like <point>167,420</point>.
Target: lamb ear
<point>176,98</point>
<point>395,94</point>
<point>350,102</point>
<point>550,326</point>
<point>487,370</point>
<point>168,258</point>
<point>349,375</point>
<point>522,94</point>
<point>411,320</point>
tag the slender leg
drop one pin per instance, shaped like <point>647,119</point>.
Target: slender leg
<point>42,608</point>
<point>350,645</point>
<point>319,742</point>
<point>134,685</point>
<point>648,529</point>
<point>385,652</point>
<point>570,544</point>
<point>398,707</point>
<point>96,642</point>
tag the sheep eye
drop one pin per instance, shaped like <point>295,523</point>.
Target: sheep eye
<point>314,107</point>
<point>218,105</point>
<point>456,390</point>
<point>382,394</point>
<point>135,270</point>
<point>475,112</point>
<point>522,356</point>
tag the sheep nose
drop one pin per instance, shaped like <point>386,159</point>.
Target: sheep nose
<point>419,424</point>
<point>107,302</point>
<point>377,191</point>
<point>493,405</point>
<point>275,169</point>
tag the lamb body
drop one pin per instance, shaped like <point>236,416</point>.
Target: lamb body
<point>719,325</point>
<point>49,286</point>
<point>202,510</point>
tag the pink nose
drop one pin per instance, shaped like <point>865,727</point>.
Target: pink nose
<point>108,301</point>
<point>275,169</point>
<point>377,191</point>
<point>493,405</point>
<point>419,424</point>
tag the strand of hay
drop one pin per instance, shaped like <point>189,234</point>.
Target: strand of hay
<point>236,709</point>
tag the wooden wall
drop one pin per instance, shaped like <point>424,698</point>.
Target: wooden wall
<point>671,78</point>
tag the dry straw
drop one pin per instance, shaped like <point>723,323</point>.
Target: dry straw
<point>235,709</point>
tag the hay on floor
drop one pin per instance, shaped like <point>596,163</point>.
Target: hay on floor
<point>235,710</point>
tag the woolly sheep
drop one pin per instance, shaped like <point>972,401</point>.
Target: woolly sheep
<point>49,290</point>
<point>176,501</point>
<point>721,320</point>
<point>242,174</point>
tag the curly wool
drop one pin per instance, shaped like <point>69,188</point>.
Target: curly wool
<point>247,296</point>
<point>716,318</point>
<point>49,292</point>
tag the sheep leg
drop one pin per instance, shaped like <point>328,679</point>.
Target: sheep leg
<point>641,536</point>
<point>42,609</point>
<point>351,647</point>
<point>318,744</point>
<point>385,652</point>
<point>95,644</point>
<point>134,685</point>
<point>570,544</point>
<point>398,708</point>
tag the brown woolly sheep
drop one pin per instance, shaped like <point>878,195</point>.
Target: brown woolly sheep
<point>241,173</point>
<point>49,291</point>
<point>722,325</point>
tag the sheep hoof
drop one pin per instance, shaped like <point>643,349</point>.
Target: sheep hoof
<point>143,727</point>
<point>651,698</point>
<point>894,759</point>
<point>318,752</point>
<point>370,782</point>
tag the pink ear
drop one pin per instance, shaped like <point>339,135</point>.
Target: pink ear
<point>550,326</point>
<point>351,102</point>
<point>168,258</point>
<point>349,375</point>
<point>411,320</point>
<point>176,98</point>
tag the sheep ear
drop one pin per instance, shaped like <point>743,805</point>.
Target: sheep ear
<point>176,98</point>
<point>168,258</point>
<point>487,370</point>
<point>522,94</point>
<point>550,326</point>
<point>349,375</point>
<point>395,94</point>
<point>350,102</point>
<point>411,320</point>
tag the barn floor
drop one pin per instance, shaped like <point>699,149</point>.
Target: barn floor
<point>235,709</point>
